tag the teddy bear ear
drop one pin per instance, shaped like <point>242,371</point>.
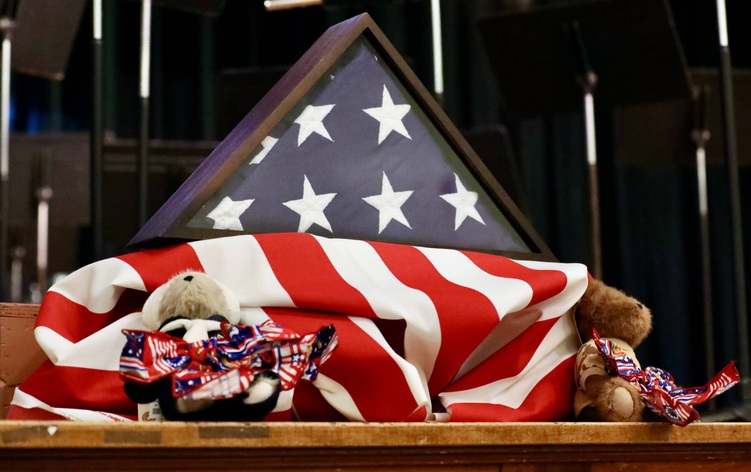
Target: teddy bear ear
<point>150,312</point>
<point>233,303</point>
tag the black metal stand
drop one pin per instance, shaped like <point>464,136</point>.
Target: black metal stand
<point>437,38</point>
<point>44,195</point>
<point>204,7</point>
<point>143,138</point>
<point>6,27</point>
<point>97,135</point>
<point>143,163</point>
<point>728,115</point>
<point>588,82</point>
<point>742,411</point>
<point>700,135</point>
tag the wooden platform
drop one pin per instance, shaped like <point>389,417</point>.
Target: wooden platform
<point>377,446</point>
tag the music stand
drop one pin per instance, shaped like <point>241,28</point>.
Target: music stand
<point>43,36</point>
<point>551,59</point>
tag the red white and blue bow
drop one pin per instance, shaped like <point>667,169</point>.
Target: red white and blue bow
<point>225,365</point>
<point>657,387</point>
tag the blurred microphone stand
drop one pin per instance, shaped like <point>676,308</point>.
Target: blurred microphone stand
<point>728,113</point>
<point>700,135</point>
<point>740,412</point>
<point>44,195</point>
<point>7,23</point>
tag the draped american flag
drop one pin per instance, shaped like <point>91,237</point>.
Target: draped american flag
<point>424,333</point>
<point>358,157</point>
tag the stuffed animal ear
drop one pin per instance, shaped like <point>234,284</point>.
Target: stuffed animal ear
<point>150,312</point>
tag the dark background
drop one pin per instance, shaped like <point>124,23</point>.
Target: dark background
<point>207,72</point>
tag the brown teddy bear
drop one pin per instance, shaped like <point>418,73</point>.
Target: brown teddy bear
<point>611,385</point>
<point>626,322</point>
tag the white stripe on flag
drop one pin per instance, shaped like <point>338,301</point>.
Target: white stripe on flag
<point>100,351</point>
<point>253,316</point>
<point>338,397</point>
<point>98,286</point>
<point>284,401</point>
<point>360,266</point>
<point>54,345</point>
<point>506,294</point>
<point>559,344</point>
<point>24,400</point>
<point>240,264</point>
<point>576,285</point>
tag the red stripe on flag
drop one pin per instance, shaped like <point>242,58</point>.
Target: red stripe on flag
<point>545,283</point>
<point>303,269</point>
<point>550,400</point>
<point>508,361</point>
<point>419,415</point>
<point>453,304</point>
<point>76,387</point>
<point>75,322</point>
<point>310,405</point>
<point>157,266</point>
<point>370,376</point>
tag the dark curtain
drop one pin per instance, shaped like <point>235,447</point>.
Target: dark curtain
<point>648,191</point>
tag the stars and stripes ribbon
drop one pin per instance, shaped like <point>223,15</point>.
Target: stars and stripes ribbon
<point>231,359</point>
<point>657,387</point>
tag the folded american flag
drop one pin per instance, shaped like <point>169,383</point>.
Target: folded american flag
<point>424,333</point>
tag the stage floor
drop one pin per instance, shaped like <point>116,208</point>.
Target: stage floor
<point>375,446</point>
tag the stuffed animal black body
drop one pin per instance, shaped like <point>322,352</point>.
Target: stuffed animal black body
<point>230,409</point>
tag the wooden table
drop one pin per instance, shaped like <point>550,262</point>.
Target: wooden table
<point>503,447</point>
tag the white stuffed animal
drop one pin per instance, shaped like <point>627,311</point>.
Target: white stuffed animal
<point>192,306</point>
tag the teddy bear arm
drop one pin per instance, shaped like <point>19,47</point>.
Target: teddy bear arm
<point>600,396</point>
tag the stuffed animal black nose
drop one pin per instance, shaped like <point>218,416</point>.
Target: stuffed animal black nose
<point>188,278</point>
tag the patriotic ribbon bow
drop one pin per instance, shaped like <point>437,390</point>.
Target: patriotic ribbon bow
<point>657,387</point>
<point>225,365</point>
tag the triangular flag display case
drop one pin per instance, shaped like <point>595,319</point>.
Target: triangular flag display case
<point>348,144</point>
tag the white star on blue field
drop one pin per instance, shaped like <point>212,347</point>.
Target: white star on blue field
<point>359,158</point>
